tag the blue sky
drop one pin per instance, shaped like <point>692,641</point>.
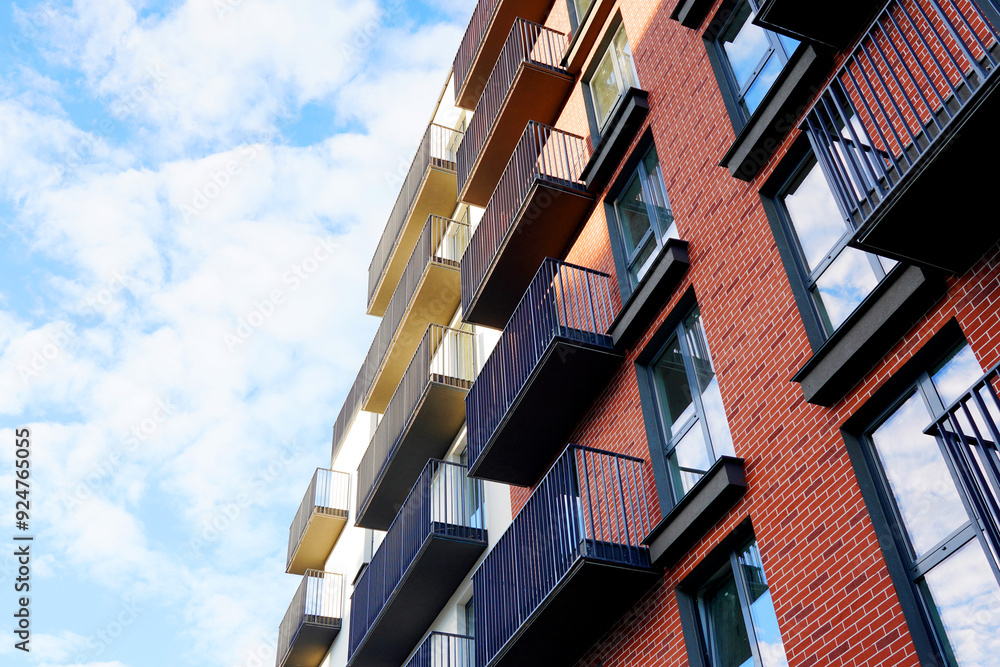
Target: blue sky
<point>191,192</point>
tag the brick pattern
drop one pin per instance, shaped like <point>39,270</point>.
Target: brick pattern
<point>832,593</point>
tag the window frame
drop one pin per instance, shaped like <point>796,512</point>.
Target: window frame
<point>597,125</point>
<point>724,556</point>
<point>697,420</point>
<point>731,89</point>
<point>809,279</point>
<point>905,569</point>
<point>576,19</point>
<point>658,442</point>
<point>632,170</point>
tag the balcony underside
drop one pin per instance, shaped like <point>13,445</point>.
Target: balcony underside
<point>434,302</point>
<point>537,425</point>
<point>437,195</point>
<point>587,602</point>
<point>492,43</point>
<point>437,419</point>
<point>429,582</point>
<point>312,641</point>
<point>943,192</point>
<point>537,93</point>
<point>316,543</point>
<point>543,227</point>
<point>835,25</point>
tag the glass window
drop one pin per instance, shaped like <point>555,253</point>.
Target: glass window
<point>736,615</point>
<point>754,56</point>
<point>838,277</point>
<point>689,405</point>
<point>578,11</point>
<point>944,549</point>
<point>614,75</point>
<point>645,220</point>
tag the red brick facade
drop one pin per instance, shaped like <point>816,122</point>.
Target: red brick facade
<point>832,593</point>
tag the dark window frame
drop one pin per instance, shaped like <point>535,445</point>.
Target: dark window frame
<point>913,379</point>
<point>628,170</point>
<point>659,444</point>
<point>690,588</point>
<point>723,71</point>
<point>800,278</point>
<point>597,128</point>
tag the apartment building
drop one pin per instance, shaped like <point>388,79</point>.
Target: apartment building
<point>688,351</point>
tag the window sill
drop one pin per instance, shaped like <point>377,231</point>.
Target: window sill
<point>778,112</point>
<point>869,333</point>
<point>620,131</point>
<point>652,292</point>
<point>691,13</point>
<point>700,509</point>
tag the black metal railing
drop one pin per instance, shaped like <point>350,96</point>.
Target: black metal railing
<point>444,501</point>
<point>319,600</point>
<point>591,504</point>
<point>527,42</point>
<point>564,301</point>
<point>471,41</point>
<point>971,432</point>
<point>445,355</point>
<point>920,63</point>
<point>543,154</point>
<point>437,149</point>
<point>444,650</point>
<point>328,493</point>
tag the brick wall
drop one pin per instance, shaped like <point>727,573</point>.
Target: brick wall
<point>831,590</point>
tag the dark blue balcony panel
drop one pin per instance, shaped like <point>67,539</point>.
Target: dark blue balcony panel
<point>441,649</point>
<point>570,564</point>
<point>424,415</point>
<point>902,129</point>
<point>837,28</point>
<point>312,621</point>
<point>435,539</point>
<point>534,213</point>
<point>552,359</point>
<point>527,83</point>
<point>321,518</point>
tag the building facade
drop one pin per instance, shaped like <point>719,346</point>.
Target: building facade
<point>687,355</point>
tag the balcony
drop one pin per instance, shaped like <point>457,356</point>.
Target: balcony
<point>552,359</point>
<point>436,537</point>
<point>429,189</point>
<point>835,26</point>
<point>527,84</point>
<point>428,292</point>
<point>570,564</point>
<point>312,621</point>
<point>424,416</point>
<point>484,38</point>
<point>444,650</point>
<point>903,128</point>
<point>970,429</point>
<point>534,213</point>
<point>319,521</point>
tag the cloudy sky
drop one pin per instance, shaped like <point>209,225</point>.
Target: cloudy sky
<point>190,194</point>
